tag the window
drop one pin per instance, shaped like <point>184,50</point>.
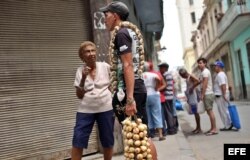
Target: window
<point>212,25</point>
<point>193,17</point>
<point>208,36</point>
<point>191,2</point>
<point>229,3</point>
<point>242,76</point>
<point>225,60</point>
<point>205,42</point>
<point>248,52</point>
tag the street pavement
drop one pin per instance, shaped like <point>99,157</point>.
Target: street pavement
<point>187,146</point>
<point>211,147</point>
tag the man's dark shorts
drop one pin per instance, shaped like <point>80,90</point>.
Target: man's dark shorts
<point>84,125</point>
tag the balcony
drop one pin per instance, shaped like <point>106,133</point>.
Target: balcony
<point>235,20</point>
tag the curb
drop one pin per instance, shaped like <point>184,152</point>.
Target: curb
<point>186,152</point>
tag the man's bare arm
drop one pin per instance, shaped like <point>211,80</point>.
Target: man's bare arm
<point>204,87</point>
<point>127,62</point>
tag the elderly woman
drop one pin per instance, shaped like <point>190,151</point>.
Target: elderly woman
<point>95,102</point>
<point>191,95</point>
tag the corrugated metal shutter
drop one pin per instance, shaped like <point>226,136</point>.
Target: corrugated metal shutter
<point>38,59</point>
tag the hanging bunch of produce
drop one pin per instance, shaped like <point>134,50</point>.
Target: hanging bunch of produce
<point>136,145</point>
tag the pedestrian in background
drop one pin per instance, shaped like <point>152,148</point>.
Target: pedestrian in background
<point>153,104</point>
<point>161,88</point>
<point>207,94</point>
<point>221,92</point>
<point>169,95</point>
<point>174,105</point>
<point>92,83</point>
<point>191,83</point>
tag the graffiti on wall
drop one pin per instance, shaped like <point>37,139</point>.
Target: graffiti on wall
<point>99,20</point>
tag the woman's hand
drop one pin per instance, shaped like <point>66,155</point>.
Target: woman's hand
<point>85,72</point>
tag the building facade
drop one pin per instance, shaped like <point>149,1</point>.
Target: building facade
<point>190,12</point>
<point>234,28</point>
<point>223,34</point>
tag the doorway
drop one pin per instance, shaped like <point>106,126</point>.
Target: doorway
<point>243,92</point>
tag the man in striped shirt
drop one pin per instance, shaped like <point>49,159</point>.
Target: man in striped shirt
<point>169,95</point>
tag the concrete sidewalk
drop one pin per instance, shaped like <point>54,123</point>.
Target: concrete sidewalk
<point>175,147</point>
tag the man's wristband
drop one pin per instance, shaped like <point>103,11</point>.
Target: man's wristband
<point>130,101</point>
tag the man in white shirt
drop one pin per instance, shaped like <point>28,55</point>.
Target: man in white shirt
<point>207,95</point>
<point>222,95</point>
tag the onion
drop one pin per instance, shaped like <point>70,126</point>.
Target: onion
<point>136,137</point>
<point>136,130</point>
<point>131,155</point>
<point>149,156</point>
<point>130,142</point>
<point>131,149</point>
<point>139,156</point>
<point>141,127</point>
<point>143,148</point>
<point>126,148</point>
<point>137,150</point>
<point>137,143</point>
<point>149,150</point>
<point>141,134</point>
<point>134,125</point>
<point>129,135</point>
<point>144,143</point>
<point>129,128</point>
<point>144,154</point>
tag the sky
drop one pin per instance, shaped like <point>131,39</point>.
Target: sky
<point>171,38</point>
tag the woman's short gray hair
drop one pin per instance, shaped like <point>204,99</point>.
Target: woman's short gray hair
<point>182,71</point>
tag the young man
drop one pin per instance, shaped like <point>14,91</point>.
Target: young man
<point>169,95</point>
<point>129,79</point>
<point>222,95</point>
<point>207,94</point>
<point>126,44</point>
<point>91,82</point>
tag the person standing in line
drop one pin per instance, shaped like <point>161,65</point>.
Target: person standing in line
<point>153,104</point>
<point>161,88</point>
<point>207,94</point>
<point>92,82</point>
<point>192,100</point>
<point>169,95</point>
<point>221,92</point>
<point>130,90</point>
<point>174,107</point>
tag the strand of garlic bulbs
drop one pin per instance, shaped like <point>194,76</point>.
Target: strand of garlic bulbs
<point>113,57</point>
<point>136,145</point>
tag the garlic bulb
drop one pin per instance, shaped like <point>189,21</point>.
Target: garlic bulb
<point>113,58</point>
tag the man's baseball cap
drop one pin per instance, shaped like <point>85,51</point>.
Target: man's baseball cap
<point>116,7</point>
<point>164,64</point>
<point>219,63</point>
